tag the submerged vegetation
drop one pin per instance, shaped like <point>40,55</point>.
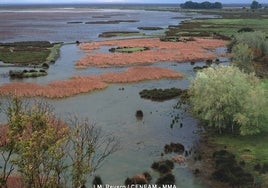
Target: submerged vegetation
<point>163,94</point>
<point>27,73</point>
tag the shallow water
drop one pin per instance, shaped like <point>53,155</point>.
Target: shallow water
<point>113,110</point>
<point>53,25</point>
<point>142,141</point>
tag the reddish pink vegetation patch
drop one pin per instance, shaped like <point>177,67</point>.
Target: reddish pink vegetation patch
<point>160,51</point>
<point>55,89</point>
<point>136,74</point>
<point>84,84</point>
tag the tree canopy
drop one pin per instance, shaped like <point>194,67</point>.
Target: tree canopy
<point>46,151</point>
<point>228,99</point>
<point>255,5</point>
<point>203,5</point>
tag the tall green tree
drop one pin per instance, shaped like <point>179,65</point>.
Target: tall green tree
<point>8,137</point>
<point>255,5</point>
<point>44,149</point>
<point>228,99</point>
<point>202,5</point>
<point>39,138</point>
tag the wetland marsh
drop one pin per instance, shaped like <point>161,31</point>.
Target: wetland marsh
<point>85,60</point>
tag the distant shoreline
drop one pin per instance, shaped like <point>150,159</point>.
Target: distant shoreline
<point>107,5</point>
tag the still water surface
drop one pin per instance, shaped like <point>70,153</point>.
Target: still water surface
<point>113,110</point>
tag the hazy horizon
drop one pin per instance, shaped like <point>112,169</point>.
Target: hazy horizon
<point>118,1</point>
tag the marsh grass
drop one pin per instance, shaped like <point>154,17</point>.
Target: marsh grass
<point>26,53</point>
<point>251,150</point>
<point>130,49</point>
<point>54,53</point>
<point>227,27</point>
<point>24,57</point>
<point>110,34</point>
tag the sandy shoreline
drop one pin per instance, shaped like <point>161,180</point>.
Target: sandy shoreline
<point>200,49</point>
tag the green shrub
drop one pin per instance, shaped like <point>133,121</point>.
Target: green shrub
<point>229,99</point>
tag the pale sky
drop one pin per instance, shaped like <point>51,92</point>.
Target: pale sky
<point>120,1</point>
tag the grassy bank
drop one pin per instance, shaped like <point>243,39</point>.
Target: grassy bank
<point>226,27</point>
<point>54,53</point>
<point>229,23</point>
<point>253,149</point>
<point>250,151</point>
<point>29,53</point>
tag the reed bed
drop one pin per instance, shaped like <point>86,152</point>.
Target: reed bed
<point>198,49</point>
<point>83,84</point>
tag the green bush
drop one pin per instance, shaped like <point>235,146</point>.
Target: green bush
<point>255,40</point>
<point>242,57</point>
<point>229,99</point>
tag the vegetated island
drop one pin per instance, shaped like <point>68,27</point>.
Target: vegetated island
<point>150,28</point>
<point>36,55</point>
<point>110,34</point>
<point>163,94</point>
<point>29,53</point>
<point>112,22</point>
<point>160,51</point>
<point>83,84</point>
